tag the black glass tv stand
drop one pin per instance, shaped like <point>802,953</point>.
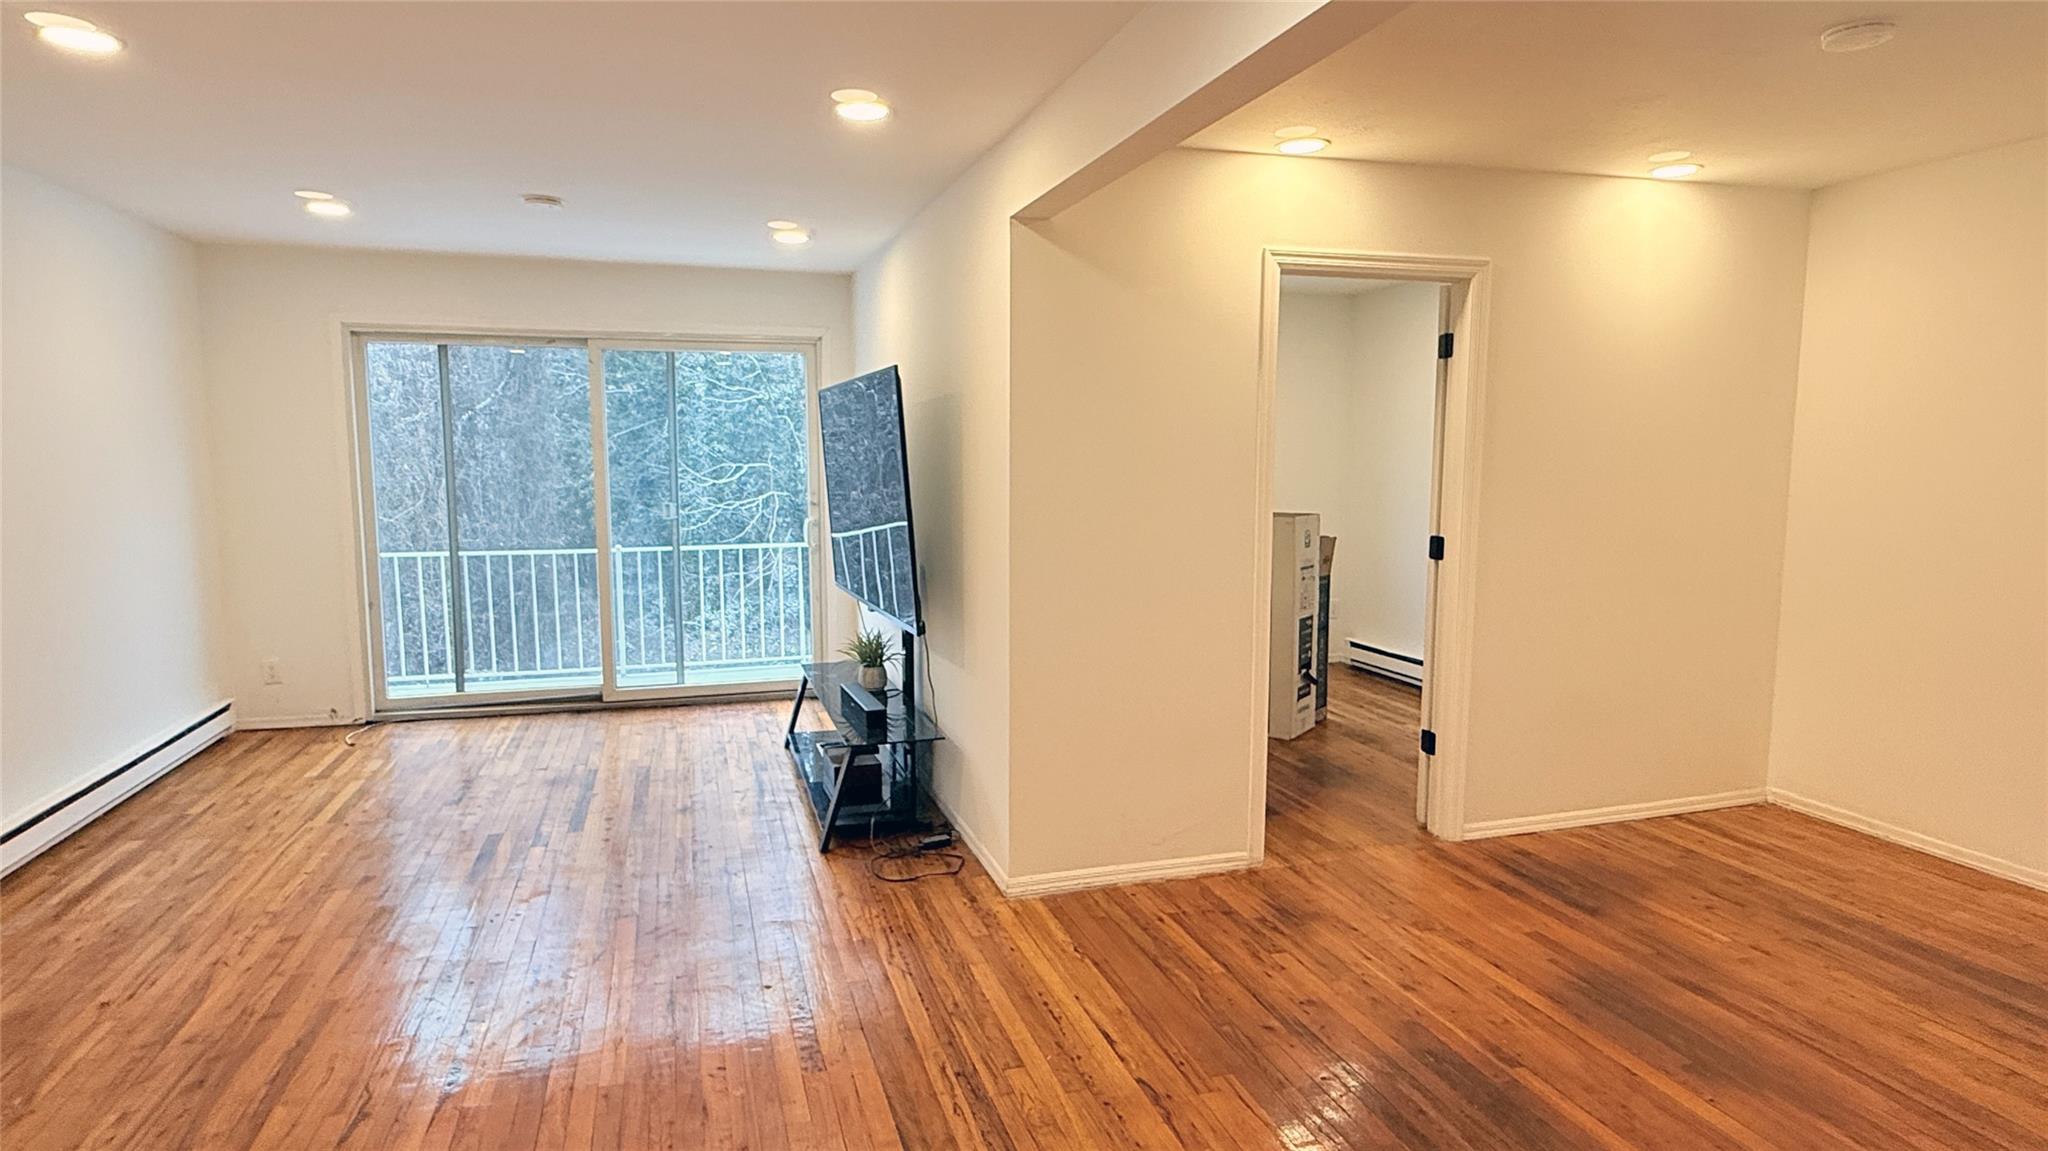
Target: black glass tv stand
<point>856,777</point>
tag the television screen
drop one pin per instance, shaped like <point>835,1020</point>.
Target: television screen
<point>867,495</point>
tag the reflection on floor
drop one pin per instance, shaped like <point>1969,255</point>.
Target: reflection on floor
<point>609,930</point>
<point>1350,782</point>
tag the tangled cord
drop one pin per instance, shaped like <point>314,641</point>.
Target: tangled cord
<point>896,849</point>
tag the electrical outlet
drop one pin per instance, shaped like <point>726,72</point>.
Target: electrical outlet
<point>271,674</point>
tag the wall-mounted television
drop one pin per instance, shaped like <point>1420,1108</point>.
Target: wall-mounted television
<point>867,495</point>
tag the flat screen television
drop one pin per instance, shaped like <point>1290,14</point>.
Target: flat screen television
<point>867,495</point>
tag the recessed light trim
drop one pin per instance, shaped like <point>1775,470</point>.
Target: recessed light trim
<point>1303,145</point>
<point>1674,171</point>
<point>58,20</point>
<point>87,41</point>
<point>329,209</point>
<point>541,200</point>
<point>791,237</point>
<point>1295,132</point>
<point>312,194</point>
<point>862,111</point>
<point>1857,36</point>
<point>784,226</point>
<point>1671,157</point>
<point>859,105</point>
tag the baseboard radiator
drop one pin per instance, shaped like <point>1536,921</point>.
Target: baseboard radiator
<point>1380,661</point>
<point>61,815</point>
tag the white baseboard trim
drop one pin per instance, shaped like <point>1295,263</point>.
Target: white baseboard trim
<point>1590,816</point>
<point>1954,853</point>
<point>1053,882</point>
<point>58,816</point>
<point>282,722</point>
<point>975,847</point>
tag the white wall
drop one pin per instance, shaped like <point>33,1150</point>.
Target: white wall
<point>1385,575</point>
<point>1313,453</point>
<point>936,300</point>
<point>1353,421</point>
<point>103,584</point>
<point>276,367</point>
<point>1643,352</point>
<point>1912,668</point>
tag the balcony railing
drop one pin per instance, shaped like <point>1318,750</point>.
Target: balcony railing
<point>532,615</point>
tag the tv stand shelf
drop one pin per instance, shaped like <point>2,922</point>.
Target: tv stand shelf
<point>852,776</point>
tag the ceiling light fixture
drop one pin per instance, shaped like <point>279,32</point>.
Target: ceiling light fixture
<point>1857,35</point>
<point>310,194</point>
<point>541,200</point>
<point>1303,145</point>
<point>57,20</point>
<point>1674,171</point>
<point>1671,157</point>
<point>784,226</point>
<point>859,105</point>
<point>72,34</point>
<point>792,237</point>
<point>329,209</point>
<point>1294,132</point>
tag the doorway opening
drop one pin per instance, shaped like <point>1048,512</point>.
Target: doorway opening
<point>1366,488</point>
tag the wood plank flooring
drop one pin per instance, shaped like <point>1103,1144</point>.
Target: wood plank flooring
<point>611,931</point>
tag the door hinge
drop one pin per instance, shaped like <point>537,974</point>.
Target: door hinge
<point>1436,547</point>
<point>1443,346</point>
<point>1428,742</point>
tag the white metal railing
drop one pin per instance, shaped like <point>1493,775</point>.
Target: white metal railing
<point>874,564</point>
<point>532,615</point>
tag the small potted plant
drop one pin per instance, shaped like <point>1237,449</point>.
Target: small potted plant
<point>871,652</point>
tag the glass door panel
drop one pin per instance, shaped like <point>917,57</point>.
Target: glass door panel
<point>743,512</point>
<point>708,486</point>
<point>640,478</point>
<point>409,491</point>
<point>525,516</point>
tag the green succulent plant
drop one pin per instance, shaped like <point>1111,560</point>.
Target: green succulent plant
<point>868,649</point>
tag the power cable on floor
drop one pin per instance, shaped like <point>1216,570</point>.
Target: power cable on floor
<point>914,845</point>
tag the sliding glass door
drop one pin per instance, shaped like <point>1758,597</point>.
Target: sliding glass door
<point>708,478</point>
<point>512,559</point>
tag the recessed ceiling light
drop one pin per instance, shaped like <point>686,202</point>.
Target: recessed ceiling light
<point>541,200</point>
<point>859,105</point>
<point>58,20</point>
<point>1674,171</point>
<point>862,111</point>
<point>1295,132</point>
<point>310,194</point>
<point>72,34</point>
<point>1857,35</point>
<point>784,226</point>
<point>793,237</point>
<point>329,209</point>
<point>1671,157</point>
<point>1303,145</point>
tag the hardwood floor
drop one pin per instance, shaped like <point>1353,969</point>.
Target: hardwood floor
<point>610,930</point>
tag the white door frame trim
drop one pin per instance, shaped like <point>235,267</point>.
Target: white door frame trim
<point>1448,663</point>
